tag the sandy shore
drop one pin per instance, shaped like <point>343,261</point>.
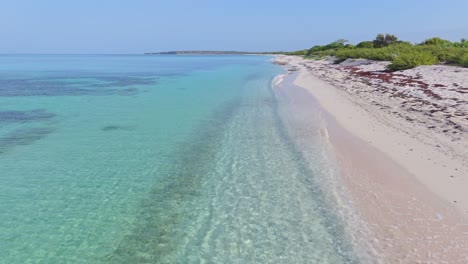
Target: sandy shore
<point>402,141</point>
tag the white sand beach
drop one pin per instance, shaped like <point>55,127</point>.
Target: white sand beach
<point>402,141</point>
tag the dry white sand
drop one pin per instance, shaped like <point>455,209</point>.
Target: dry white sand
<point>406,156</point>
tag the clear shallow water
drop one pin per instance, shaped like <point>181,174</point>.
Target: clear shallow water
<point>156,159</point>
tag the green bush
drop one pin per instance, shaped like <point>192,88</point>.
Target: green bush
<point>448,55</point>
<point>463,60</point>
<point>365,45</point>
<point>402,54</point>
<point>408,60</point>
<point>298,52</point>
<point>404,44</point>
<point>335,45</point>
<point>383,54</point>
<point>436,41</point>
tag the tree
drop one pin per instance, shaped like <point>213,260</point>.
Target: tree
<point>384,40</point>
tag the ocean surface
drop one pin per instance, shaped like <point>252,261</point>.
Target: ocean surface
<point>160,159</point>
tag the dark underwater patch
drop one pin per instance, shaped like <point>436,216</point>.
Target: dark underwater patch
<point>23,136</point>
<point>116,127</point>
<point>59,86</point>
<point>123,82</point>
<point>128,92</point>
<point>25,116</point>
<point>253,76</point>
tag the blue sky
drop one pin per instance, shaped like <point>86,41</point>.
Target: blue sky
<point>137,26</point>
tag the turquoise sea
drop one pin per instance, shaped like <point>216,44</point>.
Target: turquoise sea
<point>159,159</point>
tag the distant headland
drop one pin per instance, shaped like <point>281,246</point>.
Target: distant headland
<point>202,52</point>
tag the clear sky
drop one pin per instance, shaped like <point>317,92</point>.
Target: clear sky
<point>137,26</point>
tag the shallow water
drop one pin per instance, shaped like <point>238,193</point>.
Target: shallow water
<point>158,159</point>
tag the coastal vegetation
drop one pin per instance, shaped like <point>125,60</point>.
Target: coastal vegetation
<point>385,47</point>
<point>402,54</point>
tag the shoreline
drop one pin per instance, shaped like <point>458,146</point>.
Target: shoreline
<point>405,205</point>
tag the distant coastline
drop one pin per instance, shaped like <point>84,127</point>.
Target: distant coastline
<point>202,52</point>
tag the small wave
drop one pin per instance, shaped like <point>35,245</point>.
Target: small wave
<point>278,79</point>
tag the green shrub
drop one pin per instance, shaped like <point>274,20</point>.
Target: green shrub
<point>448,55</point>
<point>463,60</point>
<point>314,49</point>
<point>404,44</point>
<point>383,54</point>
<point>365,45</point>
<point>436,41</point>
<point>297,53</point>
<point>408,60</point>
<point>335,45</point>
<point>402,54</point>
